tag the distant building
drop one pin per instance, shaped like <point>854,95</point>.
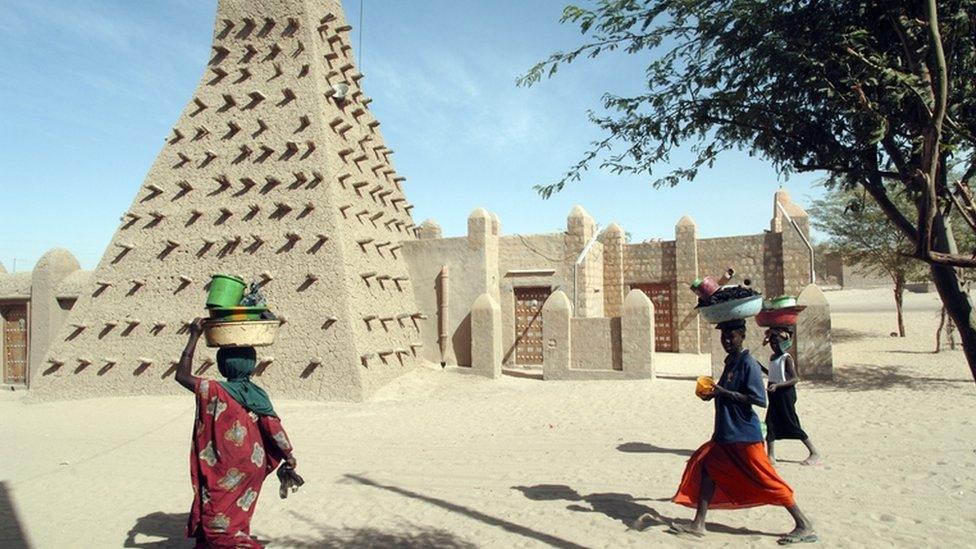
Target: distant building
<point>521,271</point>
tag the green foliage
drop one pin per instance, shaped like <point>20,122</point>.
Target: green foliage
<point>841,86</point>
<point>859,231</point>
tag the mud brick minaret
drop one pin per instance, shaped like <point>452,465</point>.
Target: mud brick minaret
<point>274,173</point>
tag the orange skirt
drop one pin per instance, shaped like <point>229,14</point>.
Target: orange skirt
<point>742,473</point>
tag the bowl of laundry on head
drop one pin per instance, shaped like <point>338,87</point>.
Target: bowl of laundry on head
<point>719,301</point>
<point>239,314</point>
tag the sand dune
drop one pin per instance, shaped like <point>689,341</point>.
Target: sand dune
<point>449,460</point>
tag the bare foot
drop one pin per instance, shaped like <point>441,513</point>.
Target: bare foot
<point>686,530</point>
<point>814,459</point>
<point>799,535</point>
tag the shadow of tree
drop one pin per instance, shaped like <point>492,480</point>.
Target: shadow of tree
<point>485,518</point>
<point>334,538</point>
<point>845,335</point>
<point>645,448</point>
<point>169,526</point>
<point>868,377</point>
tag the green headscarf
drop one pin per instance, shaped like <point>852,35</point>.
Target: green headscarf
<point>236,364</point>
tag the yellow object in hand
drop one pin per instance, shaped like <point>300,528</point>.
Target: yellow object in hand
<point>705,387</point>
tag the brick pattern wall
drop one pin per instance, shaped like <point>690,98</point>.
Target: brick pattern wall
<point>648,262</point>
<point>613,273</point>
<point>591,283</point>
<point>745,254</point>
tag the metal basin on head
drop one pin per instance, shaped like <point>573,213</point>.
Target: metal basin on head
<point>732,310</point>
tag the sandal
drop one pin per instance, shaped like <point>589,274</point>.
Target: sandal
<point>790,539</point>
<point>676,529</point>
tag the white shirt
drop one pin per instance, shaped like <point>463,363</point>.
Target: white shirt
<point>777,369</point>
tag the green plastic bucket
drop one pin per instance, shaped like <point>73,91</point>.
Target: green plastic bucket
<point>225,291</point>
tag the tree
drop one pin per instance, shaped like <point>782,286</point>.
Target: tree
<point>863,236</point>
<point>880,95</point>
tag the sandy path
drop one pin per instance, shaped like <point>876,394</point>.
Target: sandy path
<point>444,459</point>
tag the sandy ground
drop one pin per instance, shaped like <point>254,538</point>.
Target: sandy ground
<point>449,460</point>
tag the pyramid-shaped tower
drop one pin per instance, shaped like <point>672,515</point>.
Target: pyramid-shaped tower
<point>274,173</point>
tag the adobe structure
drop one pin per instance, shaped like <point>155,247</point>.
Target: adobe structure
<point>596,273</point>
<point>277,171</point>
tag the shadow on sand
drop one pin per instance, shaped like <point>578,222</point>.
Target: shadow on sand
<point>676,377</point>
<point>506,525</point>
<point>868,377</point>
<point>645,448</point>
<point>169,527</point>
<point>844,335</point>
<point>12,533</point>
<point>335,538</point>
<point>621,507</point>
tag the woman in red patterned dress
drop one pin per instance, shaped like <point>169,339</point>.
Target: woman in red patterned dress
<point>237,441</point>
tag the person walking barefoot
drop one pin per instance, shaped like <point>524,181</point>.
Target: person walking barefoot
<point>237,441</point>
<point>732,470</point>
<point>782,421</point>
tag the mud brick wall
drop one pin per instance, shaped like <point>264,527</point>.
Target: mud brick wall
<point>269,174</point>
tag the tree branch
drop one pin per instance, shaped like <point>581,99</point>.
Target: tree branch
<point>875,187</point>
<point>902,33</point>
<point>932,139</point>
<point>842,169</point>
<point>950,260</point>
<point>962,188</point>
<point>898,159</point>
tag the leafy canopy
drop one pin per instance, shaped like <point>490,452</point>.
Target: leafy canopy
<point>880,94</point>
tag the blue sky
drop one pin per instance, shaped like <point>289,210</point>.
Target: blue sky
<point>89,89</point>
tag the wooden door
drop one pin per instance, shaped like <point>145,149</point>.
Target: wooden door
<point>662,295</point>
<point>14,344</point>
<point>528,324</point>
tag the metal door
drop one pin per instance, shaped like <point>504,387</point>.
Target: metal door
<point>14,344</point>
<point>528,324</point>
<point>662,295</point>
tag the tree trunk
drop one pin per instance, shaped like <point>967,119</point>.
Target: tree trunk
<point>951,335</point>
<point>899,296</point>
<point>954,296</point>
<point>938,331</point>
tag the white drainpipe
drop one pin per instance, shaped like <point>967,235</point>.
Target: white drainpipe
<point>579,260</point>
<point>813,275</point>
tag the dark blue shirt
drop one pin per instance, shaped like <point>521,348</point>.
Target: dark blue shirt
<point>735,421</point>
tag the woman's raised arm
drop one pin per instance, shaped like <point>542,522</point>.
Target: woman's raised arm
<point>183,375</point>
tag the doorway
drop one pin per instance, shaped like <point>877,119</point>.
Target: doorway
<point>15,329</point>
<point>528,324</point>
<point>662,295</point>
